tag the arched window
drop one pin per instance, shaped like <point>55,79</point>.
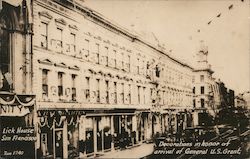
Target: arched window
<point>5,82</point>
<point>9,24</point>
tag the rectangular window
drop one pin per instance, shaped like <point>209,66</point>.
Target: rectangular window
<point>114,57</point>
<point>86,49</point>
<point>97,52</point>
<point>202,78</point>
<point>128,64</point>
<point>107,91</point>
<point>87,91</point>
<point>60,84</point>
<point>122,93</point>
<point>138,91</point>
<point>202,90</point>
<point>115,92</point>
<point>106,52</point>
<point>202,103</point>
<point>163,97</point>
<point>73,87</point>
<point>73,42</point>
<point>157,71</point>
<point>59,42</point>
<point>194,90</point>
<point>143,70</point>
<point>122,61</point>
<point>44,35</point>
<point>129,93</point>
<point>138,66</point>
<point>144,95</point>
<point>98,90</point>
<point>45,83</point>
<point>194,103</point>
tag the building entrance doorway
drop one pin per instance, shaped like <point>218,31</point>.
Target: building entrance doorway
<point>58,139</point>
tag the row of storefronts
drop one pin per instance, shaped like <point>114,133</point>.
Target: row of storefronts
<point>31,128</point>
<point>73,133</point>
<point>68,133</point>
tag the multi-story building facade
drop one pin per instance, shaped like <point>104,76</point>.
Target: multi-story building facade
<point>97,86</point>
<point>96,82</point>
<point>203,91</point>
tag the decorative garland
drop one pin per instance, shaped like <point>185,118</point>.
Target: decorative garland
<point>16,99</point>
<point>2,101</point>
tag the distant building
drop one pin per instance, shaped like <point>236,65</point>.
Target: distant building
<point>203,92</point>
<point>226,95</point>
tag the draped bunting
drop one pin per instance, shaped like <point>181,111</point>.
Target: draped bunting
<point>14,99</point>
<point>230,7</point>
<point>15,105</point>
<point>48,117</point>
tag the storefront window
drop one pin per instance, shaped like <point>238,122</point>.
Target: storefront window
<point>73,138</point>
<point>89,142</point>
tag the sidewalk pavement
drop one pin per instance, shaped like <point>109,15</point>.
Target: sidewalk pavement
<point>134,152</point>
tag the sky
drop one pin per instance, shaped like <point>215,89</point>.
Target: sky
<point>175,23</point>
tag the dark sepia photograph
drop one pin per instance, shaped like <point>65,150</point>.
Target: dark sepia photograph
<point>142,79</point>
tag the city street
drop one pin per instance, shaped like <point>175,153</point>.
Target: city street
<point>236,143</point>
<point>134,152</point>
<point>124,79</point>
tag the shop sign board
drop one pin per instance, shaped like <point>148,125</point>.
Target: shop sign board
<point>17,142</point>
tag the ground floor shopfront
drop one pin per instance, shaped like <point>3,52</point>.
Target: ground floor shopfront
<point>83,133</point>
<point>71,133</point>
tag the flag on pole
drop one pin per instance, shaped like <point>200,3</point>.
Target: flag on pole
<point>209,22</point>
<point>218,15</point>
<point>230,7</point>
